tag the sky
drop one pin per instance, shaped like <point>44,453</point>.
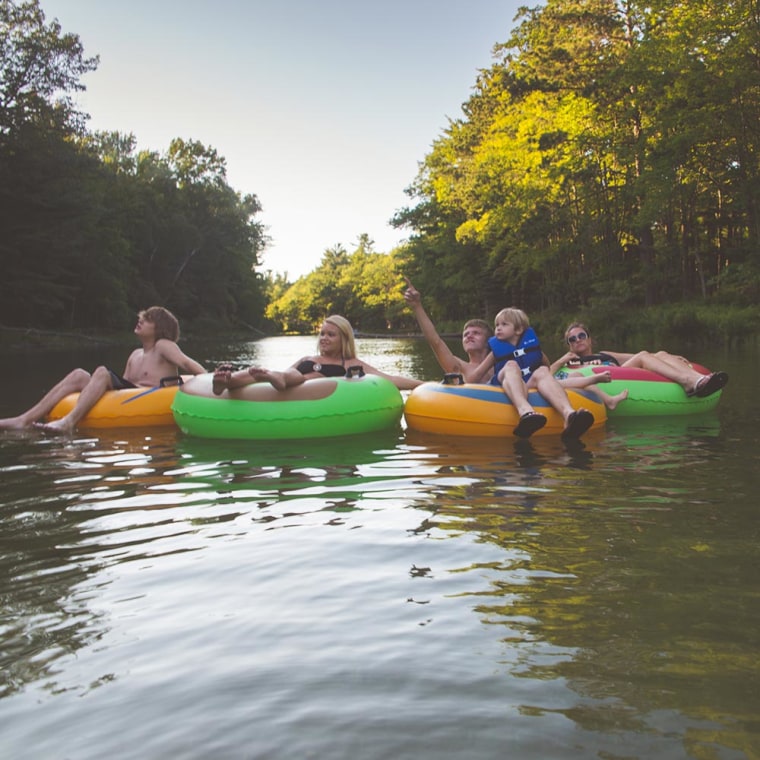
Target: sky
<point>323,109</point>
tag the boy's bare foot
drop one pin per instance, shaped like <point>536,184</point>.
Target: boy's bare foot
<point>57,427</point>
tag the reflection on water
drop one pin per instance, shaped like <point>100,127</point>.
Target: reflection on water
<point>384,596</point>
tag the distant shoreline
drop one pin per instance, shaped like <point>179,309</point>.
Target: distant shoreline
<point>37,339</point>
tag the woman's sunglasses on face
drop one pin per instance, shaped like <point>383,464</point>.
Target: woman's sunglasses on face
<point>578,336</point>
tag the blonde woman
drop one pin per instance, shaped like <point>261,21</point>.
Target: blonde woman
<point>336,357</point>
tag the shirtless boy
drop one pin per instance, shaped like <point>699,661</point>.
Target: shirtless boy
<point>160,356</point>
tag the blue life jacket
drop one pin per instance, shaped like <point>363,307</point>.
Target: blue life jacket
<point>527,353</point>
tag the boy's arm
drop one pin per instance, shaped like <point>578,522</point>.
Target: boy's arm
<point>173,354</point>
<point>475,375</point>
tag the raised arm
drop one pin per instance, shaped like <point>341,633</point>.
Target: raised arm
<point>448,361</point>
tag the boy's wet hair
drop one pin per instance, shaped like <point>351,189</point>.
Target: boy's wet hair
<point>481,323</point>
<point>165,322</point>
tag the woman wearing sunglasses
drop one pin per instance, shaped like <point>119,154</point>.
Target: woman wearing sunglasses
<point>677,368</point>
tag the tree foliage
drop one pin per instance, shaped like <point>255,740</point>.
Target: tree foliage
<point>363,286</point>
<point>94,229</point>
<point>609,155</point>
<point>40,66</point>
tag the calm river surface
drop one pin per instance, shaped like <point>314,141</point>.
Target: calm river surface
<point>390,596</point>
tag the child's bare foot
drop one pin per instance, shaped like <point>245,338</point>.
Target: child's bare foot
<point>57,427</point>
<point>611,402</point>
<point>262,375</point>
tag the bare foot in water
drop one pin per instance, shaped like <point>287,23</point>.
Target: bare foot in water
<point>261,375</point>
<point>57,427</point>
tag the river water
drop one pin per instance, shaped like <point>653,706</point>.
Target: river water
<point>392,596</point>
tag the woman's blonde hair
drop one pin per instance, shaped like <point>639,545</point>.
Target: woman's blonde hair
<point>516,317</point>
<point>347,345</point>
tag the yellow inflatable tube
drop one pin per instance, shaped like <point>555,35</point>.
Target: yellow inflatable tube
<point>484,410</point>
<point>130,407</point>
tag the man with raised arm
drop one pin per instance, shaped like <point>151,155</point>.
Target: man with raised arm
<point>475,335</point>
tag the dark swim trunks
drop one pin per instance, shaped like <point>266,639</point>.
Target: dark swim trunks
<point>118,382</point>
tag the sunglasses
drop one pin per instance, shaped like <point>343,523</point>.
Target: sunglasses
<point>580,336</point>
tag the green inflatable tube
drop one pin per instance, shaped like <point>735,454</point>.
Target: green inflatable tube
<point>320,408</point>
<point>649,394</point>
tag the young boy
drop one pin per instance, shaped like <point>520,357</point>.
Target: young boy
<point>520,365</point>
<point>160,356</point>
<point>475,334</point>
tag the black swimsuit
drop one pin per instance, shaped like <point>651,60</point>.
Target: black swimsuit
<point>326,370</point>
<point>600,358</point>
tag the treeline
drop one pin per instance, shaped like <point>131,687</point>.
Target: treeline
<point>92,229</point>
<point>607,161</point>
<point>364,286</point>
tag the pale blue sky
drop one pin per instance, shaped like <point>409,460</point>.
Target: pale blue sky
<point>322,108</point>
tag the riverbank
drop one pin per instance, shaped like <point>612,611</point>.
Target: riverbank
<point>31,339</point>
<point>664,326</point>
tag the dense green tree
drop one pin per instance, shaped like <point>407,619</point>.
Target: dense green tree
<point>363,286</point>
<point>608,156</point>
<point>38,197</point>
<point>93,229</point>
<point>39,67</point>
